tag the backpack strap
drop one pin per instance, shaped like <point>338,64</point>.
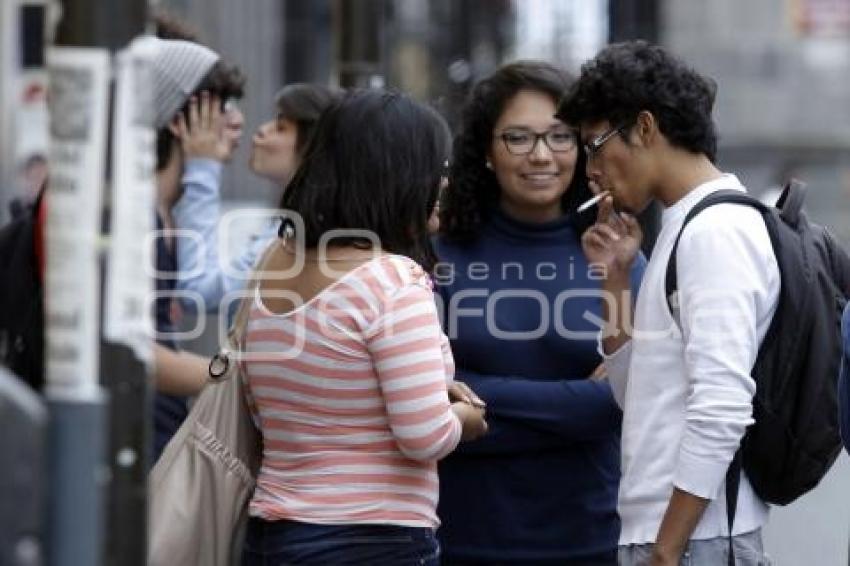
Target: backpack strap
<point>240,319</point>
<point>733,479</point>
<point>717,197</point>
<point>221,360</point>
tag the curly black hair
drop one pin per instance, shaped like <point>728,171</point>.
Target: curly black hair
<point>473,188</point>
<point>627,78</point>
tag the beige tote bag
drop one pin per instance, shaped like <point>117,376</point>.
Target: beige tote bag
<point>201,485</point>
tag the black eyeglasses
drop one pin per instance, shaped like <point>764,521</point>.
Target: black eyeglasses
<point>592,147</point>
<point>522,142</point>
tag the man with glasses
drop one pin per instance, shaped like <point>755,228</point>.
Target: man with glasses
<point>681,376</point>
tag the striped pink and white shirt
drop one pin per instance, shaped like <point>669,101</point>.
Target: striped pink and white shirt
<point>350,389</point>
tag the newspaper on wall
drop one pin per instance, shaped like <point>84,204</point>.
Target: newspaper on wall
<point>79,97</point>
<point>129,287</point>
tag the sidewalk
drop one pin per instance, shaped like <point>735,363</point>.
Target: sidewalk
<point>816,529</point>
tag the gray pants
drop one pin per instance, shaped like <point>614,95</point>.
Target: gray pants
<point>708,552</point>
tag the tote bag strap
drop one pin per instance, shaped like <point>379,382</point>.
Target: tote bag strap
<point>240,319</point>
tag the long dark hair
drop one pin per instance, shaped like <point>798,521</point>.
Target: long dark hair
<point>303,103</point>
<point>373,163</point>
<point>473,188</point>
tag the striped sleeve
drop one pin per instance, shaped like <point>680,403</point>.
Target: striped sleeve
<point>405,344</point>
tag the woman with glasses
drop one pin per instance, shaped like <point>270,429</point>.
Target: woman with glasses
<point>521,307</point>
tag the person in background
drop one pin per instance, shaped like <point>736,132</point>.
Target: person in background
<point>32,175</point>
<point>22,280</point>
<point>519,302</point>
<point>276,152</point>
<point>347,366</point>
<point>186,78</point>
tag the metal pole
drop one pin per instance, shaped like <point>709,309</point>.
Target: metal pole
<point>78,456</point>
<point>23,427</point>
<point>307,41</point>
<point>360,50</point>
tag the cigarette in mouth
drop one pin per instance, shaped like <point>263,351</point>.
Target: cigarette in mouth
<point>587,204</point>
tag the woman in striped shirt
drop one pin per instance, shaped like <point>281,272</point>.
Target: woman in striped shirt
<point>347,366</point>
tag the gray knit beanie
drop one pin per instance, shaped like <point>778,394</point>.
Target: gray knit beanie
<point>178,67</point>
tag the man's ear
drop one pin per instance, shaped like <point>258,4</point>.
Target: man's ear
<point>646,127</point>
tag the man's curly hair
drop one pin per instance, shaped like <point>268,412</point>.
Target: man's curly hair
<point>473,189</point>
<point>627,78</point>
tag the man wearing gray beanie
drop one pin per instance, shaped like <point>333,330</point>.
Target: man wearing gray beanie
<point>178,67</point>
<point>188,81</point>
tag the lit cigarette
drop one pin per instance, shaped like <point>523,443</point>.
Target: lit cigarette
<point>592,201</point>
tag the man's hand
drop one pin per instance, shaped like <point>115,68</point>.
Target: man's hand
<point>681,518</point>
<point>614,241</point>
<point>203,135</point>
<point>658,558</point>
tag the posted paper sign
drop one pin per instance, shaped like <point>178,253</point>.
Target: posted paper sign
<point>129,286</point>
<point>78,95</point>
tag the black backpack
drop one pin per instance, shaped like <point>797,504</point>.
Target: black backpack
<point>795,438</point>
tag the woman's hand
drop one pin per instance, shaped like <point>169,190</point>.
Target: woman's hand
<point>614,241</point>
<point>459,391</point>
<point>203,135</point>
<point>471,419</point>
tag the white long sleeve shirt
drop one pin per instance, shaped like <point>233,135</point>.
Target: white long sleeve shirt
<point>686,392</point>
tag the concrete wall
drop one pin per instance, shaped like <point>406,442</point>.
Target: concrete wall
<point>776,86</point>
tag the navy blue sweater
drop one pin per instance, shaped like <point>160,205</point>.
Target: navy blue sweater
<point>541,486</point>
<point>169,410</point>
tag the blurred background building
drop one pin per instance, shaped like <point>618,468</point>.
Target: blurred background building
<point>783,104</point>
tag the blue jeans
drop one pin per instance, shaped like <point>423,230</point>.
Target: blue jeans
<point>707,552</point>
<point>278,543</point>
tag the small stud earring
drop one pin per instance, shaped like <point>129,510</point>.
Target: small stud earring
<point>489,165</point>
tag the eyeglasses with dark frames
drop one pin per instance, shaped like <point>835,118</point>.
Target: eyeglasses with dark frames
<point>592,148</point>
<point>521,141</point>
